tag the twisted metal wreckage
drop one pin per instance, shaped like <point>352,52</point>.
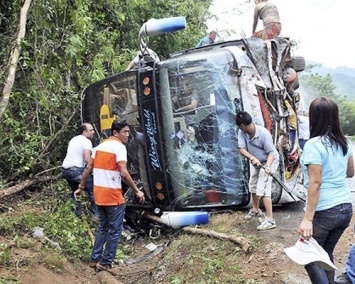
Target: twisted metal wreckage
<point>189,160</point>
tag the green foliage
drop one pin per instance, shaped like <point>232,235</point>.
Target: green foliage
<point>5,254</point>
<point>22,242</point>
<point>22,224</point>
<point>66,229</point>
<point>321,84</point>
<point>176,280</point>
<point>207,261</point>
<point>53,260</point>
<point>347,114</point>
<point>318,85</point>
<point>68,45</point>
<point>61,226</point>
<point>6,280</point>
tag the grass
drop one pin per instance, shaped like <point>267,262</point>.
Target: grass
<point>187,259</point>
<point>204,260</point>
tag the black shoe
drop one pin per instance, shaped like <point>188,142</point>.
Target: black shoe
<point>342,279</point>
<point>100,267</point>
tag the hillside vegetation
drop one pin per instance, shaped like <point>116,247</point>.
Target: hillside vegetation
<point>342,77</point>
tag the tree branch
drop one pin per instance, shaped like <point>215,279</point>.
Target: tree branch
<point>25,184</point>
<point>54,137</point>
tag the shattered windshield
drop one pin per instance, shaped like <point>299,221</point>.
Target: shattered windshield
<point>198,96</point>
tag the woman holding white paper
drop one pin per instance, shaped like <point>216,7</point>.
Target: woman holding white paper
<point>327,161</point>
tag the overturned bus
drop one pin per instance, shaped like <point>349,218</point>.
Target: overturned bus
<point>188,158</point>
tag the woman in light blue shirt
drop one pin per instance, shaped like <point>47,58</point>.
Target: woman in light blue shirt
<point>327,161</point>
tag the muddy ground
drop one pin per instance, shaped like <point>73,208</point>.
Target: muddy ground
<point>186,258</point>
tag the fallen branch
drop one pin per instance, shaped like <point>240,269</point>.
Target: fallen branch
<point>210,233</point>
<point>25,184</point>
<point>205,232</point>
<point>47,170</point>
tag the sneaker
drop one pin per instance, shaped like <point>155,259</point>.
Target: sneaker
<point>107,267</point>
<point>261,219</point>
<point>252,214</point>
<point>267,224</point>
<point>342,279</point>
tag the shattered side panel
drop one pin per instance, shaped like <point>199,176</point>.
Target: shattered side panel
<point>277,104</point>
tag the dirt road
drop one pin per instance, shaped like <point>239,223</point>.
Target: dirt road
<point>288,219</point>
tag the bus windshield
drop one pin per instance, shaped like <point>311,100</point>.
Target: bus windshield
<point>199,100</point>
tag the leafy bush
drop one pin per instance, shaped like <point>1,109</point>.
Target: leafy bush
<point>61,226</point>
<point>70,232</point>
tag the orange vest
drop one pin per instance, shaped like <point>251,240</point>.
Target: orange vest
<point>107,177</point>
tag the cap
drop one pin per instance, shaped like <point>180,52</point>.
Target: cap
<point>304,252</point>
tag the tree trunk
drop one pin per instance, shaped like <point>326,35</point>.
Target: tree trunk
<point>14,58</point>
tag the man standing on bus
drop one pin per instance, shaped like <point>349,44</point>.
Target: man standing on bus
<point>255,143</point>
<point>109,164</point>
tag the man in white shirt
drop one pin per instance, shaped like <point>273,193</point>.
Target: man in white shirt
<point>303,128</point>
<point>78,155</point>
<point>303,121</point>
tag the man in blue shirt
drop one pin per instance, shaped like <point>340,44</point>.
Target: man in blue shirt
<point>207,40</point>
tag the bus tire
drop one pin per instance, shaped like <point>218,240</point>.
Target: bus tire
<point>298,63</point>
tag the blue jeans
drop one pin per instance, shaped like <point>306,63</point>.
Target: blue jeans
<point>328,226</point>
<point>73,177</point>
<point>301,142</point>
<point>108,234</point>
<point>350,265</point>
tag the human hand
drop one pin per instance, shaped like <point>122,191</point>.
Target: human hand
<point>255,162</point>
<point>306,229</point>
<point>140,196</point>
<point>77,193</point>
<point>267,170</point>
